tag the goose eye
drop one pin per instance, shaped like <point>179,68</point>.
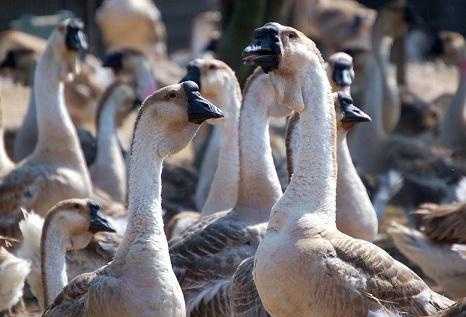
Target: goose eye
<point>172,95</point>
<point>292,35</point>
<point>76,206</point>
<point>212,67</point>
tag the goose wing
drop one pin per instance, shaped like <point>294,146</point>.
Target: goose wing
<point>387,283</point>
<point>443,262</point>
<point>443,223</point>
<point>205,258</point>
<point>244,298</point>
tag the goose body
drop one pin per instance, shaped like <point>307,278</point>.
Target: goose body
<point>319,270</point>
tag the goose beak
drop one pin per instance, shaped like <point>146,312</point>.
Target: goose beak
<point>199,108</point>
<point>265,49</point>
<point>98,222</point>
<point>75,39</point>
<point>351,113</point>
<point>113,60</point>
<point>193,74</point>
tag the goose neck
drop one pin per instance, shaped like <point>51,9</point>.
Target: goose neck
<point>107,134</point>
<point>311,193</point>
<point>53,261</point>
<point>223,191</point>
<point>259,186</point>
<point>145,223</point>
<point>56,132</point>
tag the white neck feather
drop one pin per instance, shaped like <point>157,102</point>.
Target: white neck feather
<point>145,224</point>
<point>311,194</point>
<point>53,251</point>
<point>26,138</point>
<point>57,140</point>
<point>355,213</point>
<point>452,132</point>
<point>365,139</point>
<point>223,192</point>
<point>259,186</point>
<point>109,170</point>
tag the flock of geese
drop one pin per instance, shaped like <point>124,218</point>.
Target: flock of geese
<point>83,223</point>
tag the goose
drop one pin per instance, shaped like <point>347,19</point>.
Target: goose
<point>206,254</point>
<point>140,280</point>
<point>352,197</point>
<point>108,173</point>
<point>13,272</point>
<point>218,83</point>
<point>453,124</point>
<point>439,247</point>
<point>79,248</point>
<point>56,170</point>
<point>69,225</point>
<point>317,269</point>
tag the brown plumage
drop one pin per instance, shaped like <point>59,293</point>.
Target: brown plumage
<point>443,223</point>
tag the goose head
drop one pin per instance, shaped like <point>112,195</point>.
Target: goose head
<point>78,219</point>
<point>173,115</point>
<point>341,70</point>
<point>69,45</point>
<point>288,56</point>
<point>133,65</point>
<point>217,82</point>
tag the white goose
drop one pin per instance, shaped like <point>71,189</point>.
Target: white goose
<point>317,269</point>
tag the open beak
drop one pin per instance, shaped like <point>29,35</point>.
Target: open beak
<point>351,113</point>
<point>265,49</point>
<point>193,74</point>
<point>98,222</point>
<point>199,108</point>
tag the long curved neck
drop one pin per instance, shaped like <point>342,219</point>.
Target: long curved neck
<point>223,191</point>
<point>57,139</point>
<point>381,45</point>
<point>355,213</point>
<point>110,165</point>
<point>311,194</point>
<point>145,224</point>
<point>454,123</point>
<point>259,186</point>
<point>365,139</point>
<point>26,137</point>
<point>53,261</point>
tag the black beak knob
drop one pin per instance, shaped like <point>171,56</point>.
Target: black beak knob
<point>193,74</point>
<point>350,112</point>
<point>98,222</point>
<point>199,108</point>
